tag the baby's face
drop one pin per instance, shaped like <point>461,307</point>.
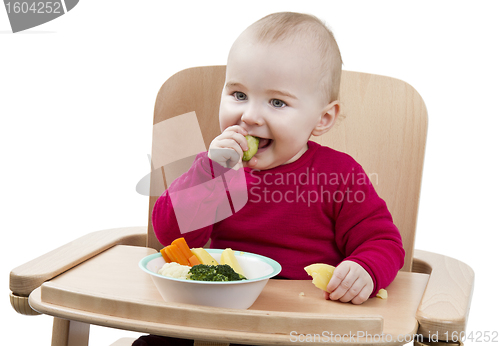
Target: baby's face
<point>272,91</point>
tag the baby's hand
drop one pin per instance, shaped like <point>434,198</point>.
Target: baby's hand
<point>227,148</point>
<point>350,283</point>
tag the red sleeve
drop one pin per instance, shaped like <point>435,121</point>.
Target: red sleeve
<point>365,232</point>
<point>192,200</point>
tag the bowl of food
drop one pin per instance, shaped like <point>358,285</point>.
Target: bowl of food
<point>222,278</point>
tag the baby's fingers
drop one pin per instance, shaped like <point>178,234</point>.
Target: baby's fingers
<point>226,157</point>
<point>354,291</point>
<point>338,276</point>
<point>362,296</point>
<point>237,129</point>
<point>231,134</point>
<point>236,133</point>
<point>341,283</point>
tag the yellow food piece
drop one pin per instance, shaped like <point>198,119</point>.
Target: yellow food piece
<point>203,256</point>
<point>228,257</point>
<point>382,294</point>
<point>321,274</point>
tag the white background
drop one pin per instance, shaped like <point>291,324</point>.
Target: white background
<point>76,106</point>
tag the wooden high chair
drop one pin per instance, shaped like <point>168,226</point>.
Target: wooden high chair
<point>96,280</point>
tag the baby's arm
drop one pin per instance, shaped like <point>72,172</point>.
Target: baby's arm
<point>350,283</point>
<point>199,198</point>
<point>164,220</point>
<point>367,236</point>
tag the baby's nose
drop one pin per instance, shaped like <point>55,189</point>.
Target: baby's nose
<point>252,116</point>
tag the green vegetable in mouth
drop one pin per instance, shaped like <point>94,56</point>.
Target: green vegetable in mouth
<point>253,146</point>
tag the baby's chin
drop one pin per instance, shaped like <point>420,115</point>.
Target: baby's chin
<point>263,164</point>
<point>251,163</point>
<point>268,159</point>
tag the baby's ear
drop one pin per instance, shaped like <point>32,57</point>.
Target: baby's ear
<point>327,120</point>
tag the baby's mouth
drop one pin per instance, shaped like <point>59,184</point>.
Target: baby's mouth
<point>265,142</point>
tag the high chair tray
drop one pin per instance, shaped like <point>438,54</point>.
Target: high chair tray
<point>110,290</point>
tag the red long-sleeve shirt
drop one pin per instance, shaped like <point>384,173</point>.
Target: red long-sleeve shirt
<point>322,208</point>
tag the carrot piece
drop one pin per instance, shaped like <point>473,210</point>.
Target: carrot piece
<point>193,260</point>
<point>164,255</point>
<point>169,253</point>
<point>179,257</point>
<point>183,246</point>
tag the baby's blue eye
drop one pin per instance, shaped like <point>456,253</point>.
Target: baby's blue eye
<point>278,103</point>
<point>240,96</point>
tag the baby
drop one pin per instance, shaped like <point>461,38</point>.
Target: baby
<point>306,203</point>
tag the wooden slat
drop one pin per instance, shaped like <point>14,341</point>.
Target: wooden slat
<point>110,287</point>
<point>32,274</point>
<point>447,297</point>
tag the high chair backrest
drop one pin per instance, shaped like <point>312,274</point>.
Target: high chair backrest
<point>382,125</point>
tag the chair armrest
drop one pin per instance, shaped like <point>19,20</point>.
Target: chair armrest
<point>444,308</point>
<point>32,274</point>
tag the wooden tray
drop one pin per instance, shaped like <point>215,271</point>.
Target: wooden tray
<point>111,290</point>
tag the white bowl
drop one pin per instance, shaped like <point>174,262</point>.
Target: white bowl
<point>228,294</point>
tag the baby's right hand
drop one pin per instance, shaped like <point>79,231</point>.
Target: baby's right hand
<point>227,148</point>
<point>350,283</point>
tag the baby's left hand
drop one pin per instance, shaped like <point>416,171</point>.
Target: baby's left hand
<point>350,283</point>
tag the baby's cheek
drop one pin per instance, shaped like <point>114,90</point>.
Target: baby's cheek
<point>224,115</point>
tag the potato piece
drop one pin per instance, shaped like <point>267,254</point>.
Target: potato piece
<point>253,146</point>
<point>321,274</point>
<point>228,257</point>
<point>382,294</point>
<point>203,256</point>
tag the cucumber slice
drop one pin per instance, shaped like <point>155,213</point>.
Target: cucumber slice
<point>253,146</point>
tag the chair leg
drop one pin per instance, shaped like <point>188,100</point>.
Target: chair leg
<point>69,333</point>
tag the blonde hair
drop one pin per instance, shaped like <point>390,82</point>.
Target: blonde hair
<point>290,25</point>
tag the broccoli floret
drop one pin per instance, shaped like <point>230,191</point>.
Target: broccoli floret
<point>226,270</point>
<point>220,277</point>
<point>202,272</point>
<point>221,272</point>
